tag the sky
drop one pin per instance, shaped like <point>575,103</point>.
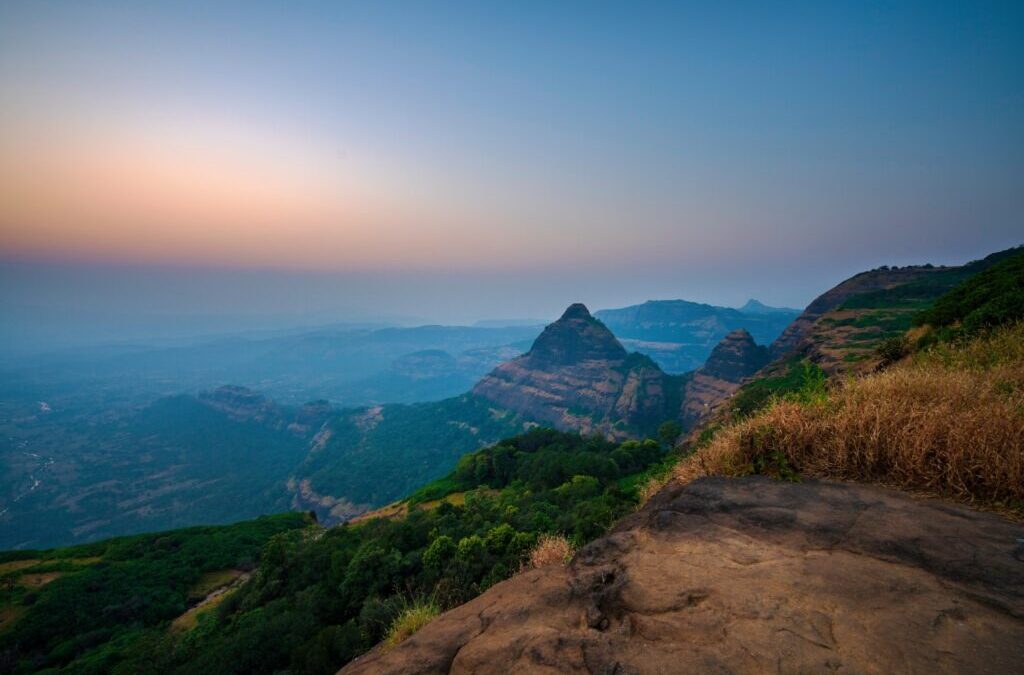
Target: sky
<point>271,163</point>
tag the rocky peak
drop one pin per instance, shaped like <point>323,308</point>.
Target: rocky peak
<point>577,376</point>
<point>735,357</point>
<point>575,337</point>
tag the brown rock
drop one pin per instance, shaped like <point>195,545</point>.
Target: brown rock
<point>752,576</point>
<point>578,377</point>
<point>734,359</point>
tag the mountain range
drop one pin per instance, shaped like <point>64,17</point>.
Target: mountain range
<point>76,475</point>
<point>481,500</point>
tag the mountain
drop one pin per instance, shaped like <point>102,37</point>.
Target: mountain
<point>578,376</point>
<point>679,335</point>
<point>734,359</point>
<point>748,522</point>
<point>883,278</point>
<point>753,306</point>
<point>840,329</point>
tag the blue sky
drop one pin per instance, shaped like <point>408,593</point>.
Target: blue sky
<point>463,160</point>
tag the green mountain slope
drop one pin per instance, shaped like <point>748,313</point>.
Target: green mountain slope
<point>79,609</point>
<point>318,597</point>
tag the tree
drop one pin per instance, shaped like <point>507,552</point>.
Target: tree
<point>668,432</point>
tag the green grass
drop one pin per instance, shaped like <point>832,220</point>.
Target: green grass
<point>800,377</point>
<point>410,621</point>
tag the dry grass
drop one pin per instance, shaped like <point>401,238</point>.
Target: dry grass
<point>190,619</point>
<point>650,488</point>
<point>550,550</point>
<point>16,565</point>
<point>211,581</point>
<point>948,422</point>
<point>412,618</point>
<point>38,579</point>
<point>9,615</point>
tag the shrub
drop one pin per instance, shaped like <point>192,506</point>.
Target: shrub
<point>892,350</point>
<point>550,550</point>
<point>989,299</point>
<point>412,618</point>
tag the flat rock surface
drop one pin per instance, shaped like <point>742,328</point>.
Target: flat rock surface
<point>752,576</point>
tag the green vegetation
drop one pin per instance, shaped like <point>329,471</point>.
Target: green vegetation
<point>991,298</point>
<point>318,602</point>
<point>112,594</point>
<point>319,597</point>
<point>921,293</point>
<point>801,380</point>
<point>415,616</point>
<point>155,465</point>
<point>402,447</point>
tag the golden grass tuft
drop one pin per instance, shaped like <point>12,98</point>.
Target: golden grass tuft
<point>650,488</point>
<point>412,618</point>
<point>948,422</point>
<point>550,550</point>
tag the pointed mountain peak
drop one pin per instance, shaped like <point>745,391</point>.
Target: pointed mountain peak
<point>576,310</point>
<point>757,307</point>
<point>754,307</point>
<point>735,357</point>
<point>575,337</point>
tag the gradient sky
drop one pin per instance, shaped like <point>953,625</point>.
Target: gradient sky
<point>453,161</point>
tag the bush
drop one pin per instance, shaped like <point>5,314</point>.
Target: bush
<point>987,300</point>
<point>892,350</point>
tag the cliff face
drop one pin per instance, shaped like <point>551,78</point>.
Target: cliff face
<point>737,356</point>
<point>734,359</point>
<point>751,576</point>
<point>796,333</point>
<point>577,376</point>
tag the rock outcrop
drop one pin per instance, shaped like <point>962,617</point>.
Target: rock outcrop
<point>734,359</point>
<point>751,576</point>
<point>577,376</point>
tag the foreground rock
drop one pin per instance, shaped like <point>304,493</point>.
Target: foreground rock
<point>752,576</point>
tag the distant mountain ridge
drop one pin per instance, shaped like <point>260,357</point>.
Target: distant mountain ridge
<point>753,306</point>
<point>679,335</point>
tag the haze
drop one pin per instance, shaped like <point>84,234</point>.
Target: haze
<point>259,167</point>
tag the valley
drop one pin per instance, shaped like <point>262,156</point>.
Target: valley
<point>336,421</point>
